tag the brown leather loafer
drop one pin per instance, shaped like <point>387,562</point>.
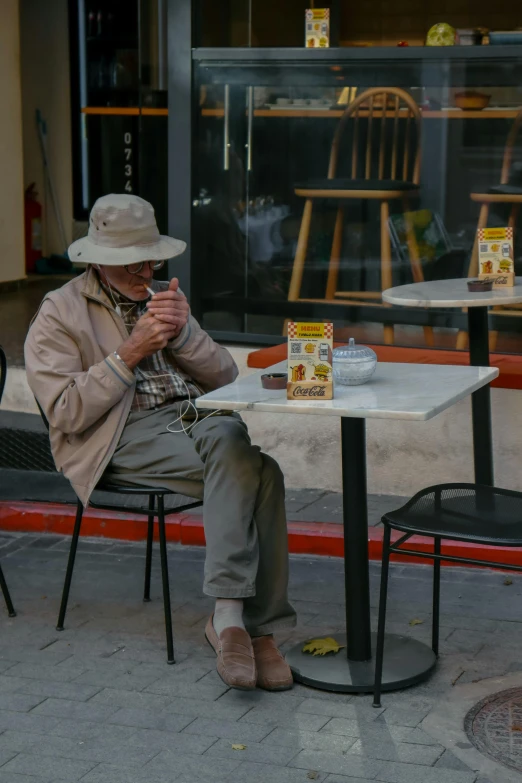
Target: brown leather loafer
<point>273,672</point>
<point>235,656</point>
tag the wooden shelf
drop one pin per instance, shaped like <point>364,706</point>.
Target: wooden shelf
<point>452,114</point>
<point>346,56</point>
<point>459,114</point>
<point>124,111</point>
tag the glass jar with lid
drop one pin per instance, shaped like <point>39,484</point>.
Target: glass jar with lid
<point>353,364</point>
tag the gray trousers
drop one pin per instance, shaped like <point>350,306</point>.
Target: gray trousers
<point>243,513</point>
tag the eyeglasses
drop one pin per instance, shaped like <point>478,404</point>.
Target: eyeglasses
<point>135,269</point>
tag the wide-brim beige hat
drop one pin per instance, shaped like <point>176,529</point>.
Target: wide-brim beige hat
<point>123,230</point>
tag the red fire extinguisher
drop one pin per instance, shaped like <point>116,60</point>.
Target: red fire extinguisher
<point>33,228</point>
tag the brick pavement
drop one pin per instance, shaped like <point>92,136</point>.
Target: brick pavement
<point>98,703</point>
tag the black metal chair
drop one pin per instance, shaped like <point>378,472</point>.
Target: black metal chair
<point>456,512</point>
<point>3,583</point>
<point>154,494</point>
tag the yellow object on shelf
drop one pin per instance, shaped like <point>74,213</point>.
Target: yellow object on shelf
<point>347,96</point>
<point>441,34</point>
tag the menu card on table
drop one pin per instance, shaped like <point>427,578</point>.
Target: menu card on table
<point>496,257</point>
<point>310,361</point>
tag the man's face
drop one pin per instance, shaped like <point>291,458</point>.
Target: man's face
<point>130,284</point>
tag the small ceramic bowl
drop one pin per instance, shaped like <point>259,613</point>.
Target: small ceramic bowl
<point>505,37</point>
<point>472,101</point>
<point>275,380</point>
<point>480,285</point>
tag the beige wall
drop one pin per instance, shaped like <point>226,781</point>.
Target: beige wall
<point>12,262</point>
<point>44,38</point>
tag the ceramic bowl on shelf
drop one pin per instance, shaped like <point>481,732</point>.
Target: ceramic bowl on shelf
<point>472,101</point>
<point>353,364</point>
<point>505,38</point>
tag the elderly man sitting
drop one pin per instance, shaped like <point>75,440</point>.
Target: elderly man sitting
<point>115,359</point>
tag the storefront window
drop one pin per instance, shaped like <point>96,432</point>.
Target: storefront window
<point>318,177</point>
<point>321,179</point>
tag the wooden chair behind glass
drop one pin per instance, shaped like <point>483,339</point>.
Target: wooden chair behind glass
<point>506,193</point>
<point>384,166</point>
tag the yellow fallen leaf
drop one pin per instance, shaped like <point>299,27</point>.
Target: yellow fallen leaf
<point>238,747</point>
<point>508,581</point>
<point>322,646</point>
<point>312,775</point>
<point>416,621</point>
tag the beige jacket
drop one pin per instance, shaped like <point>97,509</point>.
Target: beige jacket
<point>84,392</point>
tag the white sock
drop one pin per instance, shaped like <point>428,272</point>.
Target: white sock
<point>228,613</point>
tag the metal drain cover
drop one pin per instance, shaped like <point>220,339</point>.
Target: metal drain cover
<point>494,726</point>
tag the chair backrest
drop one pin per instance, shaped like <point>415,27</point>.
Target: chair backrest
<point>3,371</point>
<point>508,151</point>
<point>42,414</point>
<point>381,106</point>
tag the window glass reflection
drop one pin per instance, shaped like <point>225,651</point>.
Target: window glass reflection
<point>319,186</point>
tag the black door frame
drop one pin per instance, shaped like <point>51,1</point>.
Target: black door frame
<point>179,48</point>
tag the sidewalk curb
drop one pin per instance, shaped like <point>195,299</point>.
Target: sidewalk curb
<point>304,538</point>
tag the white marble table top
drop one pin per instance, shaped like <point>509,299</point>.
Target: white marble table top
<point>450,293</point>
<point>396,391</point>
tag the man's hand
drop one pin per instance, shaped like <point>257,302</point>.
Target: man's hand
<point>170,307</point>
<point>148,336</point>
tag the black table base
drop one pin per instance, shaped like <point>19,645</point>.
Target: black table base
<point>481,399</point>
<point>406,662</point>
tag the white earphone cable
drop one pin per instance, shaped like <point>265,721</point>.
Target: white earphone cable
<point>117,307</point>
<point>185,407</point>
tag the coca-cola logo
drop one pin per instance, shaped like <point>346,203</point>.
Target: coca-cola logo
<point>314,391</point>
<point>497,279</point>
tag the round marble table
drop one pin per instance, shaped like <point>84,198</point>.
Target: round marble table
<point>454,293</point>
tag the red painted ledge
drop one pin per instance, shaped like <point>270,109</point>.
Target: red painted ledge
<point>510,365</point>
<point>304,538</point>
